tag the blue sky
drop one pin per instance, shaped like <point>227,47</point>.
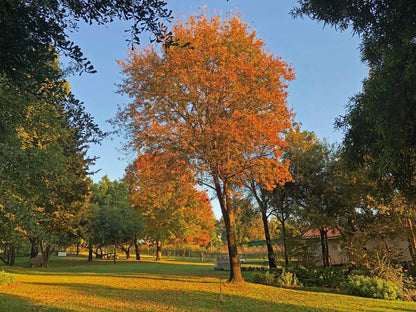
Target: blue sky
<point>327,65</point>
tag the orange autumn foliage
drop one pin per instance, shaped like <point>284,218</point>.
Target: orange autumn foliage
<point>216,102</point>
<point>173,209</point>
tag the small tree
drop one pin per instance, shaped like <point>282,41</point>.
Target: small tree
<point>172,208</point>
<point>313,168</point>
<point>115,221</point>
<point>262,198</point>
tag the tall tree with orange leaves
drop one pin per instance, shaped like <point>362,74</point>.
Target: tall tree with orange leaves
<point>217,102</point>
<point>173,209</point>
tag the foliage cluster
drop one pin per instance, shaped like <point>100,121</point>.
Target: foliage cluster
<point>382,265</point>
<point>265,278</point>
<point>409,288</point>
<point>34,31</point>
<point>288,279</point>
<point>372,287</point>
<point>110,218</point>
<point>6,278</point>
<point>280,278</point>
<point>390,286</point>
<point>43,175</point>
<point>318,277</point>
<point>172,207</point>
<point>379,123</point>
<point>44,130</point>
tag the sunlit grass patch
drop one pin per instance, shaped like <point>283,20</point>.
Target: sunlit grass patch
<point>167,286</point>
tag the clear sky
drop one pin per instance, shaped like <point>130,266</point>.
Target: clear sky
<point>327,65</point>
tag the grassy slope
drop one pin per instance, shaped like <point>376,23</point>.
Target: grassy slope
<point>73,285</point>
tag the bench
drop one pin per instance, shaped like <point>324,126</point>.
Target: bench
<point>36,260</point>
<point>224,264</point>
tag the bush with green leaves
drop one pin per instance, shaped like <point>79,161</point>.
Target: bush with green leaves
<point>319,277</point>
<point>281,278</point>
<point>372,287</point>
<point>6,279</point>
<point>288,279</point>
<point>409,288</point>
<point>266,278</point>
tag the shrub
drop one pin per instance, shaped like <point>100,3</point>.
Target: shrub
<point>409,289</point>
<point>320,277</point>
<point>264,278</point>
<point>280,278</point>
<point>372,287</point>
<point>288,279</point>
<point>6,278</point>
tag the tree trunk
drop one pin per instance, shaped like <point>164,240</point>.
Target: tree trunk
<point>34,251</point>
<point>229,221</point>
<point>115,251</point>
<point>46,253</point>
<point>9,254</point>
<point>411,240</point>
<point>284,242</point>
<point>327,249</point>
<point>136,248</point>
<point>324,245</point>
<point>158,250</point>
<point>270,252</point>
<point>5,257</point>
<point>99,255</point>
<point>12,254</point>
<point>126,251</point>
<point>77,249</point>
<point>90,251</point>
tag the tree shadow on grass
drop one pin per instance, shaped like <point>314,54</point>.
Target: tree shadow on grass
<point>162,300</point>
<point>173,272</point>
<point>19,304</point>
<point>208,299</point>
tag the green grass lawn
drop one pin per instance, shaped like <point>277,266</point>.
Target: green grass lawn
<point>72,284</point>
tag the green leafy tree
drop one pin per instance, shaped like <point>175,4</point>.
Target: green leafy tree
<point>248,223</point>
<point>284,200</point>
<point>114,219</point>
<point>380,121</point>
<point>173,209</point>
<point>313,170</point>
<point>283,207</point>
<point>263,199</point>
<point>44,169</point>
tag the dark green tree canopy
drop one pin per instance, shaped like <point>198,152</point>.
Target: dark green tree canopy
<point>31,31</point>
<point>380,123</point>
<point>382,24</point>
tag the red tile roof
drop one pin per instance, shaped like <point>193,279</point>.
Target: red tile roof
<point>315,233</point>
